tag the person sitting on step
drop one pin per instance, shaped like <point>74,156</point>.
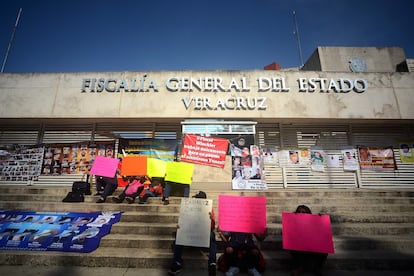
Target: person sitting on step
<point>242,253</point>
<point>303,261</point>
<point>106,186</point>
<point>177,263</point>
<point>132,190</point>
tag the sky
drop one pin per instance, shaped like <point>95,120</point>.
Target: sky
<point>153,35</point>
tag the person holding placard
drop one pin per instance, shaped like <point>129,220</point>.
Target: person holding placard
<point>106,186</point>
<point>242,253</point>
<point>168,187</point>
<point>307,261</point>
<point>132,190</point>
<point>178,249</point>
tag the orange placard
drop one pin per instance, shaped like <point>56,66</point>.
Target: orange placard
<point>134,165</point>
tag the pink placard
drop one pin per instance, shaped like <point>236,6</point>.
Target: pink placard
<point>245,214</point>
<point>104,166</point>
<point>307,232</point>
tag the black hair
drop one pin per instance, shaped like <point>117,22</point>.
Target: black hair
<point>304,208</point>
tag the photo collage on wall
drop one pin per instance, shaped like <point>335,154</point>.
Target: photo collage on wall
<point>247,164</point>
<point>74,158</point>
<point>20,163</point>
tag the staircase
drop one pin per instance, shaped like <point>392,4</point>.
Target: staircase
<point>373,229</point>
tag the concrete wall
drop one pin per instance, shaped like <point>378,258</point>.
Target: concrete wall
<point>388,96</point>
<point>378,59</point>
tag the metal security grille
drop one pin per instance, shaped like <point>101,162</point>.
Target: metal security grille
<point>330,137</point>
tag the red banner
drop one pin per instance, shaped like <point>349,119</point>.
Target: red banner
<point>204,150</point>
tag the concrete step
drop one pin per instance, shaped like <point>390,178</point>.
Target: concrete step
<point>197,258</point>
<point>155,203</point>
<point>373,229</point>
<point>277,193</point>
<point>272,242</point>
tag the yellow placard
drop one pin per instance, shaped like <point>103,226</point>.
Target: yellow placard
<point>179,172</point>
<point>156,167</point>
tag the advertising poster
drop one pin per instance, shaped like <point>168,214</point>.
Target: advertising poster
<point>246,214</point>
<point>194,222</point>
<point>203,150</point>
<point>52,231</point>
<point>376,158</point>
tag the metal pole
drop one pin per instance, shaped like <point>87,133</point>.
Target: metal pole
<point>296,32</point>
<point>11,41</point>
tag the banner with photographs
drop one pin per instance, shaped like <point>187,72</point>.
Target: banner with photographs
<point>74,158</point>
<point>164,149</point>
<point>20,163</point>
<point>247,168</point>
<point>376,158</point>
<point>52,231</point>
<point>407,152</point>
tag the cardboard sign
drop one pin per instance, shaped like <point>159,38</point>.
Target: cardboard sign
<point>104,166</point>
<point>307,232</point>
<point>134,165</point>
<point>156,167</point>
<point>245,214</point>
<point>194,222</point>
<point>179,172</point>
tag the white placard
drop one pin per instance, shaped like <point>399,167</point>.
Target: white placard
<point>194,222</point>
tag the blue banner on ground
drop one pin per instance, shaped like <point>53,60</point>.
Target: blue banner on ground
<point>51,231</point>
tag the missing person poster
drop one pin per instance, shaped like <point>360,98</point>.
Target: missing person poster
<point>376,158</point>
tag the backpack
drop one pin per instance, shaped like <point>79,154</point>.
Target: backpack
<point>74,197</point>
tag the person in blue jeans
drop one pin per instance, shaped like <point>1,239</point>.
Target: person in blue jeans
<point>168,188</point>
<point>178,249</point>
<point>105,186</point>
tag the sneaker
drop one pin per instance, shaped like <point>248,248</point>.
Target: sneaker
<point>232,271</point>
<point>175,269</point>
<point>254,272</point>
<point>101,200</point>
<point>212,269</point>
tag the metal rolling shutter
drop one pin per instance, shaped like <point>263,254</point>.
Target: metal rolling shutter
<point>389,135</point>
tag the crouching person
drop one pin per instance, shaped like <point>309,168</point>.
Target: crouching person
<point>177,263</point>
<point>242,254</point>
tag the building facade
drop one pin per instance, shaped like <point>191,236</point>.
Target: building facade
<point>342,97</point>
